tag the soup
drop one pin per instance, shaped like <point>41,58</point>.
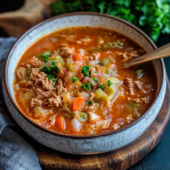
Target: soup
<point>71,81</point>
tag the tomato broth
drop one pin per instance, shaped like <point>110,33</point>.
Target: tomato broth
<point>71,81</point>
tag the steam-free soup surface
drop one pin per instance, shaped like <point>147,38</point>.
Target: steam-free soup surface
<point>71,81</point>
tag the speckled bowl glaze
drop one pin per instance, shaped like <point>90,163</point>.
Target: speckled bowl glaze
<point>90,144</point>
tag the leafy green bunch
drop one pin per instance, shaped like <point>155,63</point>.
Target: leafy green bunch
<point>153,16</point>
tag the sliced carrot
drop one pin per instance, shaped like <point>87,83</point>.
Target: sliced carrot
<point>78,103</point>
<point>77,57</point>
<point>60,122</point>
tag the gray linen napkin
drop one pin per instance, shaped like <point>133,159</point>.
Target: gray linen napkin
<point>15,152</point>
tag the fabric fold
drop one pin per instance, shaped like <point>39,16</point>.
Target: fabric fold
<point>15,152</point>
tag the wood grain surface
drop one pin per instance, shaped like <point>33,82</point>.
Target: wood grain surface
<point>120,159</point>
<point>15,23</point>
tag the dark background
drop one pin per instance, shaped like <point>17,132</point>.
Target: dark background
<point>159,157</point>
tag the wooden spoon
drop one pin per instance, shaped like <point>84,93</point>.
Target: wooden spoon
<point>17,22</point>
<point>161,52</point>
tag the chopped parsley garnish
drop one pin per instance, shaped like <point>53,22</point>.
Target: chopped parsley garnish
<point>54,68</point>
<point>85,70</point>
<point>51,71</point>
<point>86,86</point>
<point>102,86</point>
<point>54,80</point>
<point>95,79</point>
<point>67,131</point>
<point>45,69</point>
<point>50,76</point>
<point>140,73</point>
<point>95,71</point>
<point>44,56</point>
<point>74,79</point>
<point>109,83</point>
<point>90,102</point>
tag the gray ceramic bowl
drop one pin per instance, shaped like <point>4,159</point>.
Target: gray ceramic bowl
<point>90,144</point>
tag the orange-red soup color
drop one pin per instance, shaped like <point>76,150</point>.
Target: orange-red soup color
<point>71,81</point>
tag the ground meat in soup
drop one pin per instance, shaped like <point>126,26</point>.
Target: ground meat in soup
<point>76,85</point>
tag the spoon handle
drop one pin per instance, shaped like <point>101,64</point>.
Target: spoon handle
<point>161,52</point>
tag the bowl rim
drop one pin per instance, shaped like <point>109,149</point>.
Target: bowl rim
<point>73,135</point>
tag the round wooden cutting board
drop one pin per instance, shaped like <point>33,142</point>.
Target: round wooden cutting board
<point>119,159</point>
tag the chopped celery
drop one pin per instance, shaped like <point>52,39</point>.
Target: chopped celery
<point>71,68</point>
<point>140,73</point>
<point>114,80</point>
<point>105,61</point>
<point>133,106</point>
<point>83,115</point>
<point>44,55</point>
<point>111,91</point>
<point>101,96</point>
<point>70,114</point>
<point>78,83</point>
<point>116,44</point>
<point>22,82</point>
<point>29,70</point>
<point>37,112</point>
<point>65,107</point>
<point>58,59</point>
